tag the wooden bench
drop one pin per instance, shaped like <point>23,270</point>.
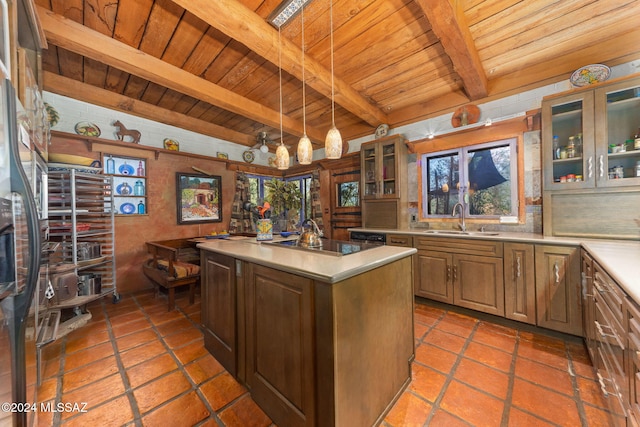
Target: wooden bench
<point>174,263</point>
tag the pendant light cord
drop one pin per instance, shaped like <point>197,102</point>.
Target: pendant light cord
<point>280,81</point>
<point>304,102</point>
<point>333,108</point>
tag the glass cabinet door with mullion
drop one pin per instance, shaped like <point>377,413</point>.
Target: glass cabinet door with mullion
<point>388,178</point>
<point>369,168</point>
<point>568,142</point>
<point>618,127</point>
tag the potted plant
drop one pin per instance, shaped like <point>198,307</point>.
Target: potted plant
<point>286,200</point>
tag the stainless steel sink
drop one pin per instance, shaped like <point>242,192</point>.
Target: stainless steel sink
<point>463,233</point>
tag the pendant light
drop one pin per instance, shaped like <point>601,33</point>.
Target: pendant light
<point>333,141</point>
<point>305,149</point>
<point>282,154</point>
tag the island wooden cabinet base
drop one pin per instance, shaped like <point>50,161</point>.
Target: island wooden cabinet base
<point>322,354</point>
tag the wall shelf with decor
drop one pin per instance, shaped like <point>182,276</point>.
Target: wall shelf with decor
<point>129,183</point>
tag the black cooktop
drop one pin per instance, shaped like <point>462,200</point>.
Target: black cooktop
<point>331,247</point>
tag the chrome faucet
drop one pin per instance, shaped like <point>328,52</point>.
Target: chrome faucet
<point>462,225</point>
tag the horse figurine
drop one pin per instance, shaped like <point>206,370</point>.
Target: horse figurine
<point>123,131</point>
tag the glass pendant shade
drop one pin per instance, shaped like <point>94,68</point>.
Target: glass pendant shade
<point>282,157</point>
<point>264,149</point>
<point>305,151</point>
<point>333,144</point>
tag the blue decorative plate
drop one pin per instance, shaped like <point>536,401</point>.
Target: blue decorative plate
<point>126,169</point>
<point>127,208</point>
<point>119,189</point>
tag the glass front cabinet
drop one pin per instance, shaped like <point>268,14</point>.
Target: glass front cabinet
<point>379,169</point>
<point>591,138</point>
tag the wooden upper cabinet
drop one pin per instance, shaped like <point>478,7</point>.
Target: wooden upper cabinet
<point>595,131</point>
<point>383,178</point>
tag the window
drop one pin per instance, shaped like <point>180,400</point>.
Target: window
<point>257,191</point>
<point>482,177</point>
<point>348,194</point>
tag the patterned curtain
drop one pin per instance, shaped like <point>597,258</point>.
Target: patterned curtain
<point>316,208</point>
<point>240,221</point>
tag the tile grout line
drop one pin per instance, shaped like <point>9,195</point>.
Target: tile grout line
<point>508,400</point>
<point>450,375</point>
<point>137,419</point>
<point>576,390</point>
<point>181,368</point>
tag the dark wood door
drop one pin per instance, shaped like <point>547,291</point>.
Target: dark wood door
<point>345,202</point>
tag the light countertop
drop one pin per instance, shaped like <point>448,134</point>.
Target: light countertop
<point>314,265</point>
<point>620,258</point>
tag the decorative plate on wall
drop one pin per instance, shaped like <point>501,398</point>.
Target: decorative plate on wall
<point>382,130</point>
<point>465,115</point>
<point>171,144</point>
<point>248,156</point>
<point>87,129</point>
<point>52,115</point>
<point>590,74</point>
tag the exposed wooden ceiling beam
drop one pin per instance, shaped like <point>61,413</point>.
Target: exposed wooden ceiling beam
<point>77,38</point>
<point>242,24</point>
<point>449,24</point>
<point>105,98</point>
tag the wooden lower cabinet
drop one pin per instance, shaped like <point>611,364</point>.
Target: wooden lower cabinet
<point>589,307</point>
<point>520,282</point>
<point>312,353</point>
<point>433,276</point>
<point>633,359</point>
<point>219,302</point>
<point>478,283</point>
<point>404,240</point>
<point>467,273</point>
<point>559,306</point>
<point>280,344</point>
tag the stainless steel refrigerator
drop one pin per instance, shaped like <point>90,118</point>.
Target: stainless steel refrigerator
<point>20,255</point>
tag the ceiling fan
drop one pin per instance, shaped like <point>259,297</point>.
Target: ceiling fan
<point>262,139</point>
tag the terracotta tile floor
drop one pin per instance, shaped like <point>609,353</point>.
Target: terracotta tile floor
<point>136,364</point>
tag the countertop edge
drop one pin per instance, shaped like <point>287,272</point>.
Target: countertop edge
<point>316,266</point>
<point>620,258</point>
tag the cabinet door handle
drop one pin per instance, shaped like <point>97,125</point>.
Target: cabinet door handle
<point>601,161</point>
<point>448,273</point>
<point>603,386</point>
<point>518,267</point>
<point>556,271</point>
<point>590,167</point>
<point>455,273</point>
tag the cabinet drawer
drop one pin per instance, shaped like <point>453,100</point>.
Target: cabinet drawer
<point>609,292</point>
<point>399,240</point>
<point>460,246</point>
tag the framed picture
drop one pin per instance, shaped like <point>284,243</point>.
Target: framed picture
<point>199,198</point>
<point>222,155</point>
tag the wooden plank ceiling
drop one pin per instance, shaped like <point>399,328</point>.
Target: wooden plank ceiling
<point>212,66</point>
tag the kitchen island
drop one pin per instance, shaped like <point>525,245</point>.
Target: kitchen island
<point>319,340</point>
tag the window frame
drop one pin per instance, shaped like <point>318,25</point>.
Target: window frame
<point>471,140</point>
<point>305,184</point>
